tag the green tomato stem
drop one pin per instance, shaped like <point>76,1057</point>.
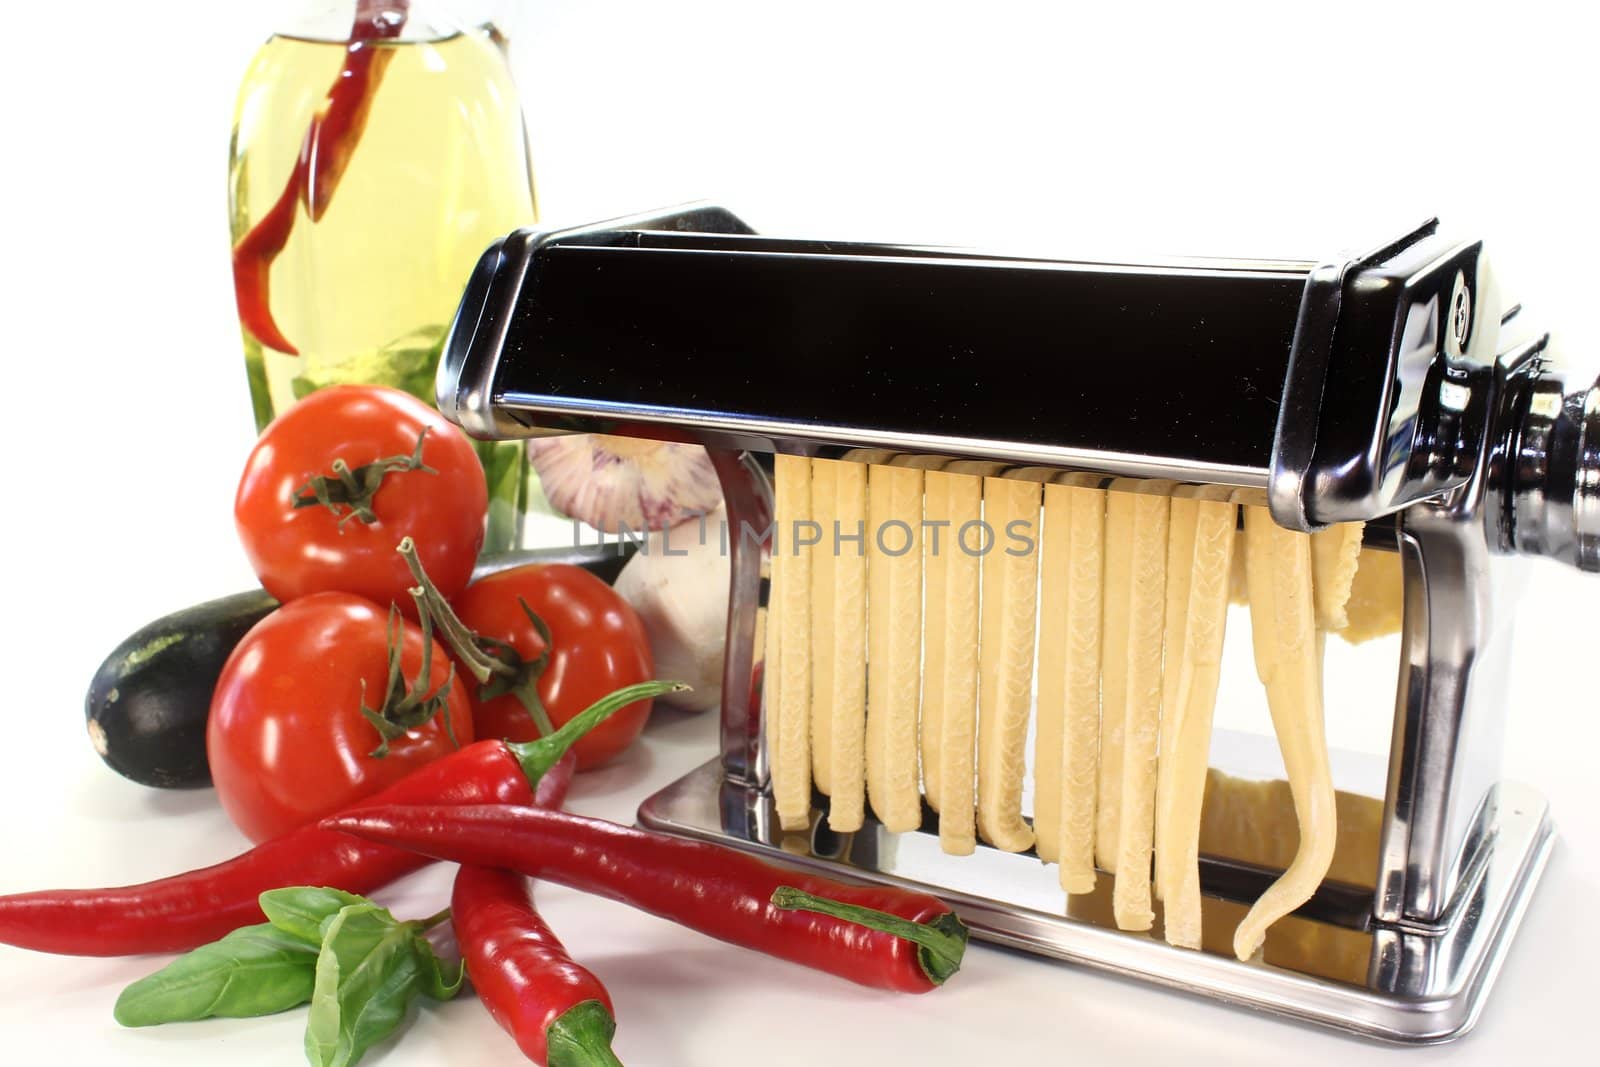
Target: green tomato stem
<point>462,641</point>
<point>353,490</point>
<point>405,708</point>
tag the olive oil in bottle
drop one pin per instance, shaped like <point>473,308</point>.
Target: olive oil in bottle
<point>439,168</point>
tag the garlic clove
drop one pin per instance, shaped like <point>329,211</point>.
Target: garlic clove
<point>622,484</point>
<point>678,585</point>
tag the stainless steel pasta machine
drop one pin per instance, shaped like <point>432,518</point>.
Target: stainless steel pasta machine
<point>1391,385</point>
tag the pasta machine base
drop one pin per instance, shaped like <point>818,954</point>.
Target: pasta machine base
<point>1422,984</point>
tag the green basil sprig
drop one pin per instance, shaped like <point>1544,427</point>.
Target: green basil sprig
<point>370,970</point>
<point>358,966</point>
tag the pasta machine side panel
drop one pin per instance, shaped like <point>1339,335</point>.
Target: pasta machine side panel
<point>747,492</point>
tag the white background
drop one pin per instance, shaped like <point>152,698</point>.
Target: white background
<point>1252,129</point>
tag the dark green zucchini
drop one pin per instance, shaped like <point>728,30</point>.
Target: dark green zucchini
<point>148,702</point>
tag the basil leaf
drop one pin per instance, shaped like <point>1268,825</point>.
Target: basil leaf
<point>437,982</point>
<point>256,970</point>
<point>301,911</point>
<point>368,974</point>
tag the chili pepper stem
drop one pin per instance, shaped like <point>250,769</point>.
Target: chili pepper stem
<point>581,1037</point>
<point>537,757</point>
<point>438,918</point>
<point>941,943</point>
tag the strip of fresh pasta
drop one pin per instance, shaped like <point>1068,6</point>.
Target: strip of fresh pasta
<point>1181,529</point>
<point>1006,651</point>
<point>1335,555</point>
<point>789,634</point>
<point>894,644</point>
<point>839,500</point>
<point>1117,608</point>
<point>1376,605</point>
<point>952,502</point>
<point>1067,732</point>
<point>1288,661</point>
<point>1050,709</point>
<point>937,509</point>
<point>1047,718</point>
<point>1199,567</point>
<point>825,512</point>
<point>1131,903</point>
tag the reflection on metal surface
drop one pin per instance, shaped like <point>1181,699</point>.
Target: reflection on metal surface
<point>1254,822</point>
<point>747,494</point>
<point>1389,982</point>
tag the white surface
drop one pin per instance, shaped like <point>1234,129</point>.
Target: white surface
<point>1206,128</point>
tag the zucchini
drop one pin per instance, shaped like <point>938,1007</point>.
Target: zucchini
<point>148,702</point>
<point>147,705</point>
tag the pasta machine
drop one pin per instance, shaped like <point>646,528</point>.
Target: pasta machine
<point>1391,385</point>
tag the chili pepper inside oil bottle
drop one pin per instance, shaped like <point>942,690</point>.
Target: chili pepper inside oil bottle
<point>378,148</point>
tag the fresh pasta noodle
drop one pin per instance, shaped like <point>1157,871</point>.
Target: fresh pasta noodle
<point>1066,757</point>
<point>953,500</point>
<point>894,644</point>
<point>1005,670</point>
<point>839,504</point>
<point>789,634</point>
<point>1200,562</point>
<point>1288,661</point>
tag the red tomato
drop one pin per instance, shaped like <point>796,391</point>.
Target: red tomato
<point>599,646</point>
<point>298,551</point>
<point>286,739</point>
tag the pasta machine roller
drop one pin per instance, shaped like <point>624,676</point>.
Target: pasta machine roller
<point>1391,386</point>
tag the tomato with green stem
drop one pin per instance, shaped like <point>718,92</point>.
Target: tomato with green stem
<point>337,480</point>
<point>545,641</point>
<point>326,701</point>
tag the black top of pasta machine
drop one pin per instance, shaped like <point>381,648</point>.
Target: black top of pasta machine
<point>1347,389</point>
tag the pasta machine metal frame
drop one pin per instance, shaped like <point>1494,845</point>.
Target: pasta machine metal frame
<point>1389,386</point>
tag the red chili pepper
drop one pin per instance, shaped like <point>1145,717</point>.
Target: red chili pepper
<point>188,910</point>
<point>879,936</point>
<point>324,153</point>
<point>558,1012</point>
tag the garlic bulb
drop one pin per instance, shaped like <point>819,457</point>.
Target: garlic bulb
<point>621,484</point>
<point>678,584</point>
